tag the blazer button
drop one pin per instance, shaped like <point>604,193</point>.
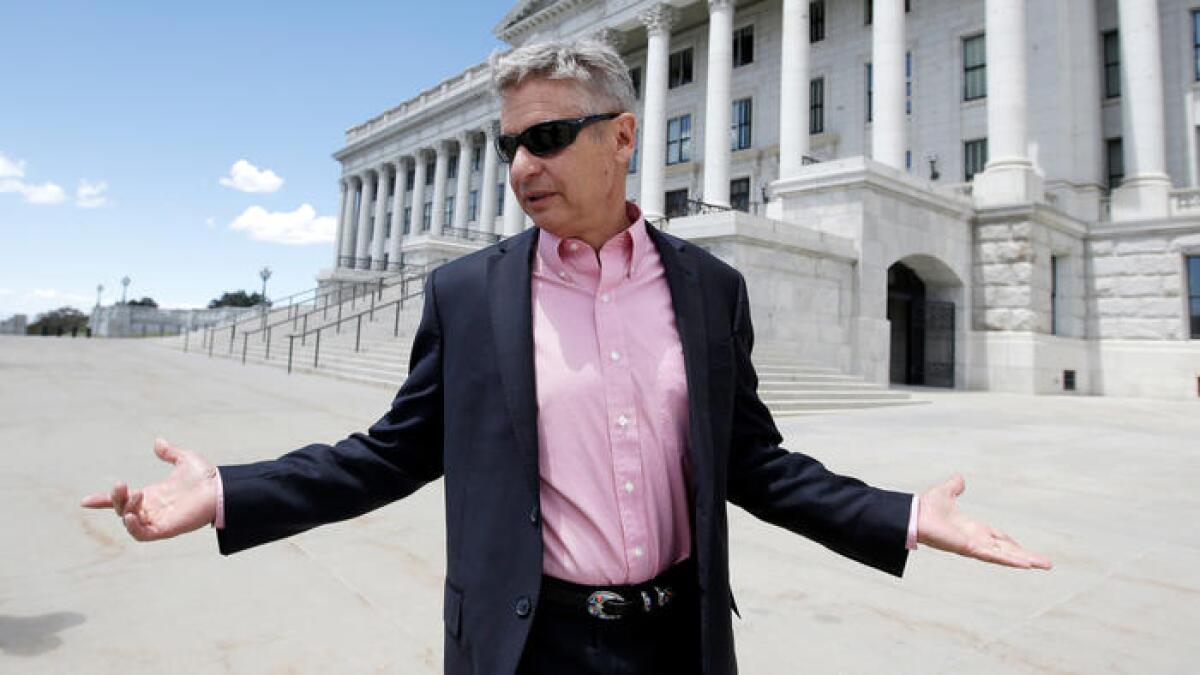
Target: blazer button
<point>533,516</point>
<point>523,606</point>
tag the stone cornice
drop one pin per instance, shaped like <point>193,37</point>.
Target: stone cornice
<point>744,228</point>
<point>513,27</point>
<point>1038,213</point>
<point>1144,227</point>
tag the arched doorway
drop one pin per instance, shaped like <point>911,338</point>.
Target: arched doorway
<point>922,323</point>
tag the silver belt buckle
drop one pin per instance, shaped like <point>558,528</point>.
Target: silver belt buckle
<point>595,604</point>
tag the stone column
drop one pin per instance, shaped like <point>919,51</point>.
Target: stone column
<point>514,217</point>
<point>888,118</point>
<point>654,115</point>
<point>1145,192</point>
<point>794,88</point>
<point>398,212</point>
<point>418,200</point>
<point>361,249</point>
<point>718,104</point>
<point>377,237</point>
<point>441,166</point>
<point>349,227</point>
<point>1009,177</point>
<point>487,214</point>
<point>341,226</point>
<point>465,142</point>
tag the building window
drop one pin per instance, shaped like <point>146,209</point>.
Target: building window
<point>908,160</point>
<point>739,132</point>
<point>448,212</point>
<point>1196,43</point>
<point>974,157</point>
<point>476,158</point>
<point>816,21</point>
<point>426,216</point>
<point>387,225</point>
<point>679,68</point>
<point>676,203</point>
<point>1055,286</point>
<point>679,139</point>
<point>500,193</point>
<point>1112,64</point>
<point>908,82</point>
<point>1114,151</point>
<point>407,223</point>
<point>870,92</point>
<point>430,169</point>
<point>974,67</point>
<point>472,206</point>
<point>1193,267</point>
<point>743,46</point>
<point>816,106</point>
<point>410,177</point>
<point>739,194</point>
<point>452,167</point>
<point>635,77</point>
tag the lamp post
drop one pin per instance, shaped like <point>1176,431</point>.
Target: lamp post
<point>124,287</point>
<point>265,273</point>
<point>99,290</point>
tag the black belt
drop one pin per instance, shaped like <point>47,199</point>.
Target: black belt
<point>616,602</point>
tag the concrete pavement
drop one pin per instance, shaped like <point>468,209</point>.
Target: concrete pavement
<point>1105,487</point>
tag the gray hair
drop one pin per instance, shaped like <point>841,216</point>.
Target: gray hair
<point>593,64</point>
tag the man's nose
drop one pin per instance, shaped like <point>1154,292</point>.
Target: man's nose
<point>525,165</point>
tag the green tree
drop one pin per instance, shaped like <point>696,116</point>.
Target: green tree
<point>236,299</point>
<point>144,302</point>
<point>63,318</point>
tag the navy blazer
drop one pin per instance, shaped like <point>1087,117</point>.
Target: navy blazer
<point>468,412</point>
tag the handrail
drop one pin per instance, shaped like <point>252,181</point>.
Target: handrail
<point>398,302</point>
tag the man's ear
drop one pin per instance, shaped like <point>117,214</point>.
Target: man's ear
<point>625,136</point>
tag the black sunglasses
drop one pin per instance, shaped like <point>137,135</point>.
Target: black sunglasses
<point>546,138</point>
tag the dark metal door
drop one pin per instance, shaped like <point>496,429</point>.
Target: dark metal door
<point>939,343</point>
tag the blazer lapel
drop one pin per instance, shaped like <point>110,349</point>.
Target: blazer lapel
<point>681,268</point>
<point>511,307</point>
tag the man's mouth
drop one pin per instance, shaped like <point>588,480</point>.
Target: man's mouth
<point>537,197</point>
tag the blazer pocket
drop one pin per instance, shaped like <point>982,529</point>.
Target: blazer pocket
<point>452,610</point>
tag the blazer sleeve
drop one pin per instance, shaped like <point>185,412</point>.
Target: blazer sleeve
<point>319,484</point>
<point>795,491</point>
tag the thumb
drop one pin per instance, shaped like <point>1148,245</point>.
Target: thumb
<point>165,451</point>
<point>956,485</point>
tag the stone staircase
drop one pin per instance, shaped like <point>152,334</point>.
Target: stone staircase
<point>378,352</point>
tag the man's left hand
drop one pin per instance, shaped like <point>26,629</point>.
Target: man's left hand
<point>943,526</point>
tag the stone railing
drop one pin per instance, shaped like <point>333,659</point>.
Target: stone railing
<point>1185,202</point>
<point>473,77</point>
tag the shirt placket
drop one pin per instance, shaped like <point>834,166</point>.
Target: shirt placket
<point>622,408</point>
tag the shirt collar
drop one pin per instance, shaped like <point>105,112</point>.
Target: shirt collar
<point>574,256</point>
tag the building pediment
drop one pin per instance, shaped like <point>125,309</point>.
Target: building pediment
<point>529,15</point>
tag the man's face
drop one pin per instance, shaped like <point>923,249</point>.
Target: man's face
<point>574,190</point>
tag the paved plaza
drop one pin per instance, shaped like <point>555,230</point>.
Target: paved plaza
<point>1105,487</point>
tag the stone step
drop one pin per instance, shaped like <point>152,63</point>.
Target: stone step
<point>803,395</point>
<point>788,407</point>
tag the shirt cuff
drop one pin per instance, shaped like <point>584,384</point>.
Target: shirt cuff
<point>911,542</point>
<point>219,519</point>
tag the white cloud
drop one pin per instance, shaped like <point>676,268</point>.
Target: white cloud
<point>46,193</point>
<point>91,195</point>
<point>210,222</point>
<point>301,226</point>
<point>246,177</point>
<point>10,168</point>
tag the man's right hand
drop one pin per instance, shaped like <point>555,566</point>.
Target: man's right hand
<point>185,501</point>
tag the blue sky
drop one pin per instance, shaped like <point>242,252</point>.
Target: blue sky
<point>119,120</point>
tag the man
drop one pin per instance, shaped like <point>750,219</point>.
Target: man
<point>586,390</point>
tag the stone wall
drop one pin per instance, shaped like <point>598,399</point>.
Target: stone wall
<point>134,321</point>
<point>1138,283</point>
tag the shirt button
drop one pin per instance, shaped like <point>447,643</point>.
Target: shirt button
<point>564,276</point>
<point>523,606</point>
<point>629,486</point>
<point>638,552</point>
<point>614,355</point>
<point>604,297</point>
<point>574,246</point>
<point>622,421</point>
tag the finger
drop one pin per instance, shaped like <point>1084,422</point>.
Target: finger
<point>134,505</point>
<point>98,500</point>
<point>165,451</point>
<point>120,494</point>
<point>956,485</point>
<point>137,529</point>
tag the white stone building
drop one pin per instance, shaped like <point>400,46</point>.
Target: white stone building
<point>984,194</point>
